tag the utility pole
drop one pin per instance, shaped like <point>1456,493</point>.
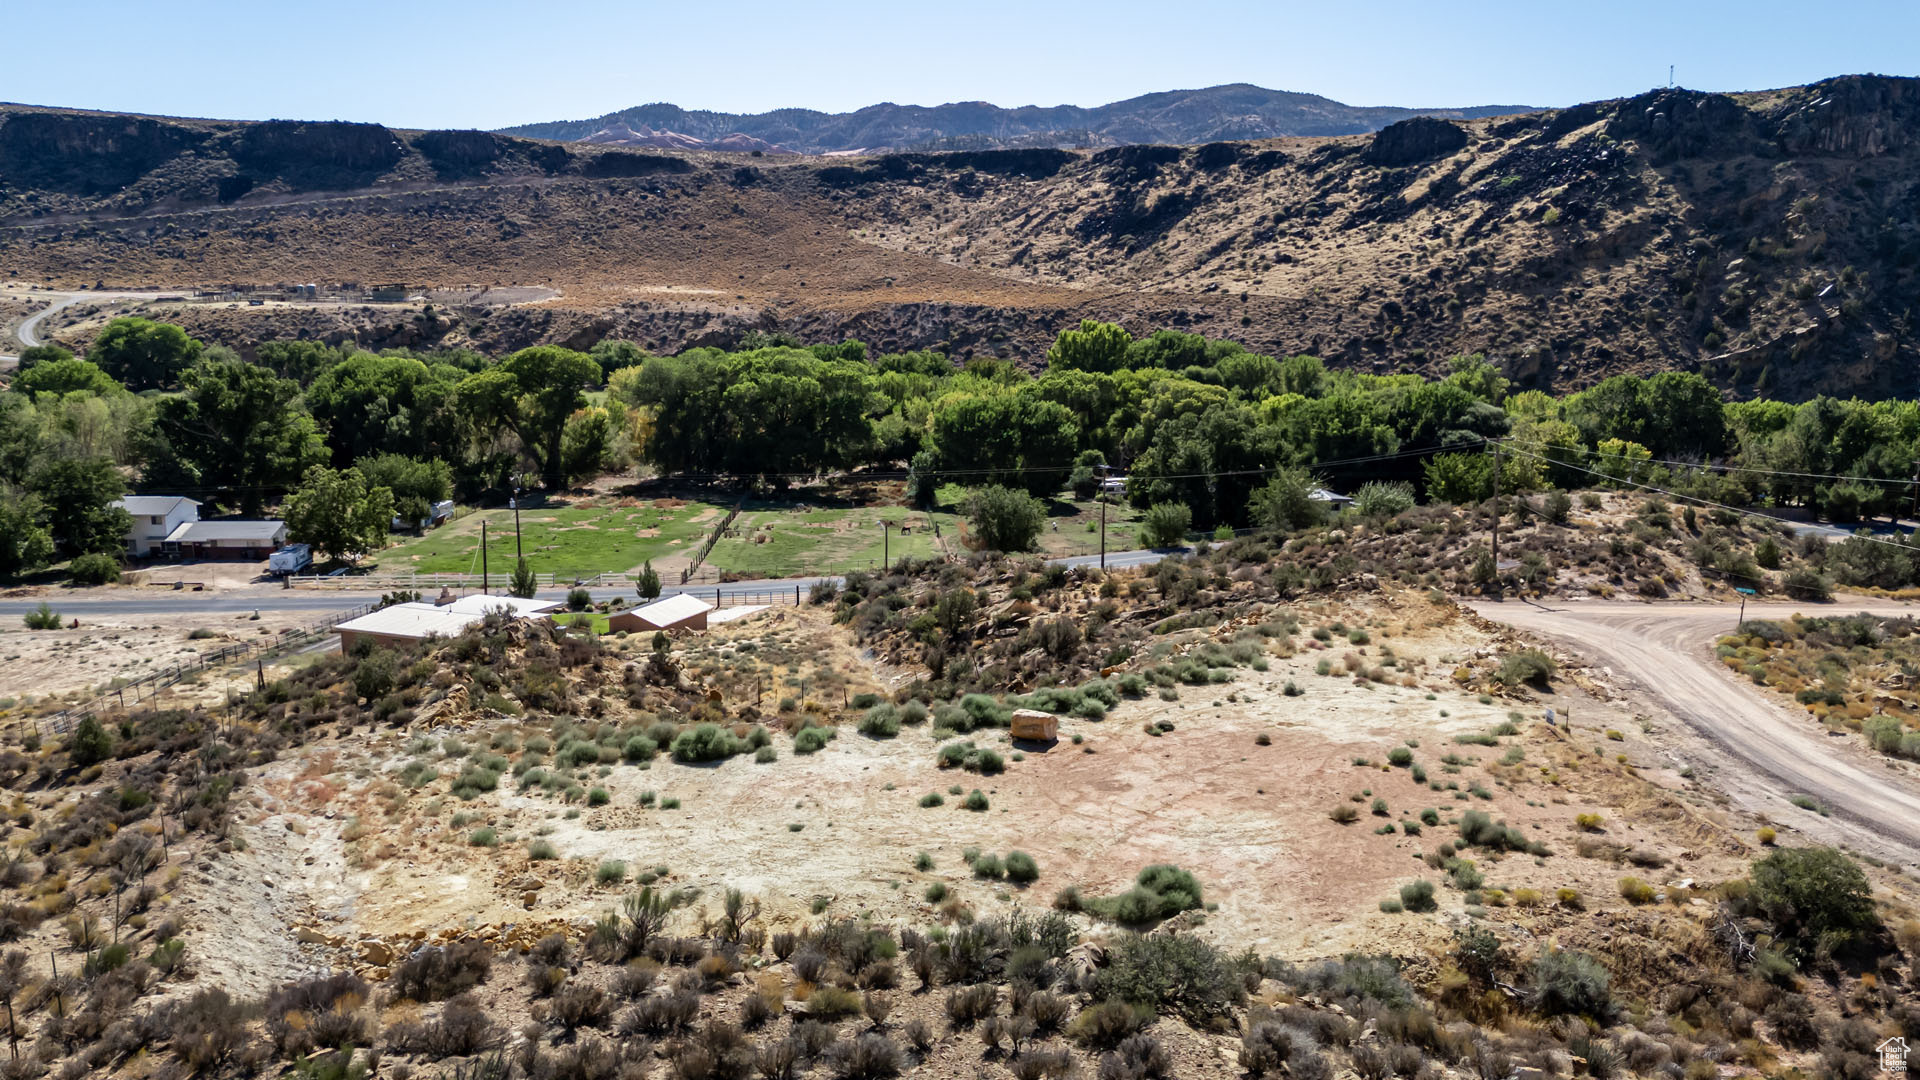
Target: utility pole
<point>1916,489</point>
<point>885,535</point>
<point>1496,516</point>
<point>1103,528</point>
<point>483,558</point>
<point>515,503</point>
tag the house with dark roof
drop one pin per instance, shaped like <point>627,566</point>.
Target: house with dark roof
<point>154,519</point>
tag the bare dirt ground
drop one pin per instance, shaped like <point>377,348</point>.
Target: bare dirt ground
<point>1762,753</point>
<point>1251,820</point>
<point>43,663</point>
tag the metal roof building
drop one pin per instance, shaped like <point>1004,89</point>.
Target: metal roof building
<point>681,611</point>
<point>404,622</point>
<point>519,608</point>
<point>241,539</point>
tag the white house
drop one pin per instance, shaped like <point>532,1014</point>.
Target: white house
<point>154,519</point>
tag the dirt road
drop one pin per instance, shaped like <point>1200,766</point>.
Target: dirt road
<point>1770,752</point>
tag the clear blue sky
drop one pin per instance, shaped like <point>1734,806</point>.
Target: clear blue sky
<point>487,63</point>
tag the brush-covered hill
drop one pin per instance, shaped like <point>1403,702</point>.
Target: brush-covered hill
<point>1767,240</point>
<point>1232,111</point>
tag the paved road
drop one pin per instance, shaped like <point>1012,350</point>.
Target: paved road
<point>1667,650</point>
<point>28,332</point>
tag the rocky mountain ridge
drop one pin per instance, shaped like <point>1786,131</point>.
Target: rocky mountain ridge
<point>1770,240</point>
<point>1232,111</point>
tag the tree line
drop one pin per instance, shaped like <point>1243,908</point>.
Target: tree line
<point>343,439</point>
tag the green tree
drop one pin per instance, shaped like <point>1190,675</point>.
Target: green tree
<point>143,354</point>
<point>299,360</point>
<point>90,742</point>
<point>235,428</point>
<point>94,569</point>
<point>338,513</point>
<point>1004,519</point>
<point>416,485</point>
<point>1815,896</point>
<point>613,355</point>
<point>587,445</point>
<point>1085,480</point>
<point>61,377</point>
<point>1459,478</point>
<point>1165,525</point>
<point>533,392</point>
<point>77,498</point>
<point>1093,346</point>
<point>1287,502</point>
<point>25,543</point>
<point>523,583</point>
<point>390,405</point>
<point>42,354</point>
<point>647,585</point>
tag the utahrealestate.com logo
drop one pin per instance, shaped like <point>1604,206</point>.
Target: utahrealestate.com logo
<point>1893,1056</point>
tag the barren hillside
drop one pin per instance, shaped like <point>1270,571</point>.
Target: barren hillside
<point>1767,240</point>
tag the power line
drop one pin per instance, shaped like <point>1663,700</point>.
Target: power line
<point>1697,499</point>
<point>1729,468</point>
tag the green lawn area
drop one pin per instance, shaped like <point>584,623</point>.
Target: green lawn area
<point>773,540</point>
<point>591,619</point>
<point>795,539</point>
<point>579,540</point>
<point>1073,525</point>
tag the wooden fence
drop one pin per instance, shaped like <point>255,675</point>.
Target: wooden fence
<point>149,685</point>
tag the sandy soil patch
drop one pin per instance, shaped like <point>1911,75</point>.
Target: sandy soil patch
<point>1251,820</point>
<point>39,663</point>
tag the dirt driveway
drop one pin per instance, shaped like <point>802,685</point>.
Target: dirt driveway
<point>1773,753</point>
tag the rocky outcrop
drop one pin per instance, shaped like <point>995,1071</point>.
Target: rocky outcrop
<point>1679,123</point>
<point>459,151</point>
<point>284,145</point>
<point>1420,138</point>
<point>1857,116</point>
<point>87,152</point>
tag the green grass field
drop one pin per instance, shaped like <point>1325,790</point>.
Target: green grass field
<point>770,539</point>
<point>571,541</point>
<point>1073,525</point>
<point>774,540</point>
<point>590,619</point>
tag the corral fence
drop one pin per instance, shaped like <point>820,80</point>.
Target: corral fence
<point>147,686</point>
<point>720,530</point>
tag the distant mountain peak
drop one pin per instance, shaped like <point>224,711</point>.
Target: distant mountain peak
<point>1209,114</point>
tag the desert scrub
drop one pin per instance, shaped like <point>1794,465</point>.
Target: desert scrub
<point>976,800</point>
<point>881,722</point>
<point>541,850</point>
<point>1159,891</point>
<point>932,799</point>
<point>610,872</point>
<point>1021,867</point>
<point>809,740</point>
<point>1418,895</point>
<point>1635,891</point>
<point>483,837</point>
